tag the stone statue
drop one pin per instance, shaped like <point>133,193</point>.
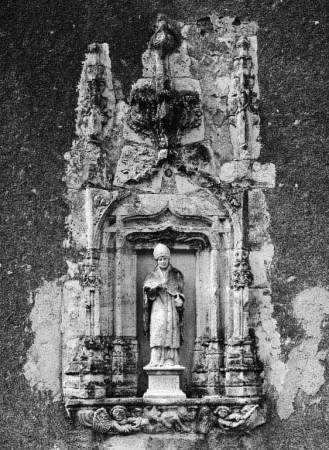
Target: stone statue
<point>163,309</point>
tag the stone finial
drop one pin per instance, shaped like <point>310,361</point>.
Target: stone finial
<point>166,37</point>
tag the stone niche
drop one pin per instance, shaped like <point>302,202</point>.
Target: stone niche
<point>175,164</point>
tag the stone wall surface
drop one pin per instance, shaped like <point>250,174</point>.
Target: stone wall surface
<point>43,44</point>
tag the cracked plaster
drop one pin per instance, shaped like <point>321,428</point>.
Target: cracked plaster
<point>43,366</point>
<point>305,367</point>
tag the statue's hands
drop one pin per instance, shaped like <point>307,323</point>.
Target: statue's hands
<point>178,301</point>
<point>151,289</point>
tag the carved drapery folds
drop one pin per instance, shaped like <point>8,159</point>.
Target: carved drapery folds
<point>182,175</point>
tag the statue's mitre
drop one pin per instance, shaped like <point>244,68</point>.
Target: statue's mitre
<point>161,250</point>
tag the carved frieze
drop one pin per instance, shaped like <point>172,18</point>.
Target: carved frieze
<point>121,419</point>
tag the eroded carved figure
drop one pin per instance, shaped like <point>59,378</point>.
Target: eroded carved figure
<point>163,309</point>
<point>164,419</point>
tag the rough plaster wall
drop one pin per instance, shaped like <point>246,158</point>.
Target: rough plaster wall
<point>43,366</point>
<point>42,49</point>
<point>305,367</point>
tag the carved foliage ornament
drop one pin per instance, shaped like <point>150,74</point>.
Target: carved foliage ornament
<point>242,275</point>
<point>164,115</point>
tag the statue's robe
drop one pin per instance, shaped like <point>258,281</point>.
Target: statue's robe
<point>162,317</point>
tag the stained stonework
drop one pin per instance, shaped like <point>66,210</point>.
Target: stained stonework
<point>42,49</point>
<point>184,177</point>
<point>176,165</point>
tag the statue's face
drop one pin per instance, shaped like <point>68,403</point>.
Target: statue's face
<point>163,262</point>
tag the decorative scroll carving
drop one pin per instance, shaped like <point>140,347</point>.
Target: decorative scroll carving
<point>242,275</point>
<point>167,214</point>
<point>169,237</point>
<point>164,419</point>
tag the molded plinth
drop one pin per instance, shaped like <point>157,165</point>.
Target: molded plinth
<point>164,382</point>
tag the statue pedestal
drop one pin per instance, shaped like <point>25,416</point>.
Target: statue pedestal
<point>163,382</point>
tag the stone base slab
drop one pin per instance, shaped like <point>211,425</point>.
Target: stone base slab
<point>164,382</point>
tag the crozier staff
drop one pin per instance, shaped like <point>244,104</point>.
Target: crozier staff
<point>163,309</point>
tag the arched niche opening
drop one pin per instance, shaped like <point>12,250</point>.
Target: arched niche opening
<point>200,246</point>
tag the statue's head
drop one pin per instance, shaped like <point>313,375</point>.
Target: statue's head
<point>162,255</point>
